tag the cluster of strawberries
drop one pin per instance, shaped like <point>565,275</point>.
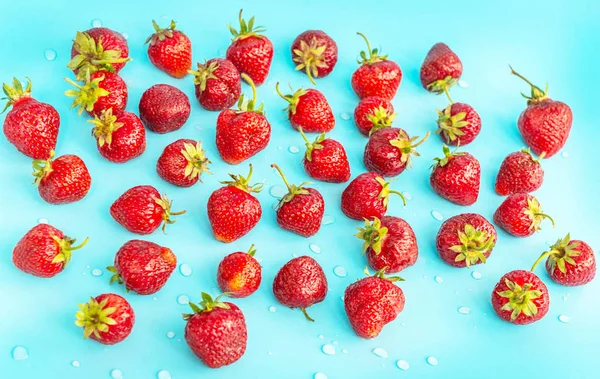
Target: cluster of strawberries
<point>216,330</point>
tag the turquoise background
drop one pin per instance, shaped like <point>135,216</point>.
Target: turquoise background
<point>545,40</point>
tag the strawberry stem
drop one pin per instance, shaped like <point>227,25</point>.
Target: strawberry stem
<point>448,94</point>
<point>541,258</point>
<point>306,315</point>
<point>546,216</point>
<point>282,176</point>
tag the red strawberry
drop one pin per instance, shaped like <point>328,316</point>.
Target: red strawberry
<point>243,133</point>
<point>144,267</point>
<point>301,210</point>
<point>31,126</point>
<point>367,196</point>
<point>104,90</point>
<point>519,172</point>
<point>239,274</point>
<point>300,283</point>
<point>520,297</point>
<point>316,53</point>
<point>520,215</point>
<point>164,108</point>
<point>98,49</point>
<point>325,159</point>
<point>545,124</point>
<point>44,251</point>
<point>458,124</point>
<point>182,163</point>
<point>170,50</point>
<point>218,84</point>
<point>309,110</point>
<point>390,244</point>
<point>250,51</point>
<point>142,209</point>
<point>62,180</point>
<point>372,114</point>
<point>120,137</point>
<point>377,75</point>
<point>456,177</point>
<point>216,331</point>
<point>466,239</point>
<point>107,318</point>
<point>441,69</point>
<point>232,210</point>
<point>373,302</point>
<point>389,151</point>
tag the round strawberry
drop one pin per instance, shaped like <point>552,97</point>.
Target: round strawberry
<point>367,196</point>
<point>239,274</point>
<point>309,110</point>
<point>182,163</point>
<point>458,124</point>
<point>62,180</point>
<point>121,137</point>
<point>466,239</point>
<point>325,159</point>
<point>520,297</point>
<point>218,84</point>
<point>389,151</point>
<point>372,114</point>
<point>164,108</point>
<point>107,318</point>
<point>98,49</point>
<point>315,53</point>
<point>456,177</point>
<point>104,90</point>
<point>520,172</point>
<point>170,50</point>
<point>520,215</point>
<point>441,69</point>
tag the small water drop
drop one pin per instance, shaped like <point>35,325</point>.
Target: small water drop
<point>116,374</point>
<point>294,149</point>
<point>335,342</point>
<point>50,54</point>
<point>183,299</point>
<point>272,309</point>
<point>320,375</point>
<point>564,298</point>
<point>328,220</point>
<point>464,310</point>
<point>270,353</point>
<point>432,361</point>
<point>380,352</point>
<point>278,191</point>
<point>163,17</point>
<point>315,248</point>
<point>125,35</point>
<point>438,279</point>
<point>96,272</point>
<point>321,337</point>
<point>96,23</point>
<point>564,319</point>
<point>279,147</point>
<point>463,83</point>
<point>20,353</point>
<point>344,351</point>
<point>198,127</point>
<point>170,335</point>
<point>340,271</point>
<point>42,221</point>
<point>564,154</point>
<point>346,116</point>
<point>163,374</point>
<point>437,215</point>
<point>402,365</point>
<point>294,255</point>
<point>185,269</point>
<point>155,298</point>
<point>328,349</point>
<point>407,195</point>
<point>476,275</point>
<point>75,364</point>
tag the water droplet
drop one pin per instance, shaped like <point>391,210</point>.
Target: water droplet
<point>335,343</point>
<point>198,127</point>
<point>407,195</point>
<point>463,83</point>
<point>565,154</point>
<point>402,365</point>
<point>321,337</point>
<point>155,298</point>
<point>320,375</point>
<point>476,275</point>
<point>424,276</point>
<point>456,292</point>
<point>294,255</point>
<point>270,353</point>
<point>83,273</point>
<point>564,319</point>
<point>96,23</point>
<point>279,147</point>
<point>96,272</point>
<point>380,352</point>
<point>432,361</point>
<point>438,279</point>
<point>163,374</point>
<point>185,269</point>
<point>328,220</point>
<point>294,149</point>
<point>75,364</point>
<point>346,116</point>
<point>42,221</point>
<point>464,310</point>
<point>183,299</point>
<point>19,353</point>
<point>344,351</point>
<point>315,248</point>
<point>328,349</point>
<point>340,271</point>
<point>125,35</point>
<point>278,191</point>
<point>170,335</point>
<point>564,298</point>
<point>50,54</point>
<point>163,17</point>
<point>437,215</point>
<point>272,309</point>
<point>116,374</point>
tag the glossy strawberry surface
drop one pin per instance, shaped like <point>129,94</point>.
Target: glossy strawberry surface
<point>520,297</point>
<point>519,172</point>
<point>218,84</point>
<point>164,108</point>
<point>239,274</point>
<point>373,113</point>
<point>170,50</point>
<point>457,178</point>
<point>62,180</point>
<point>315,53</point>
<point>440,65</point>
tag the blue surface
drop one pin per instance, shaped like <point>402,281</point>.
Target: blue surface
<point>544,40</point>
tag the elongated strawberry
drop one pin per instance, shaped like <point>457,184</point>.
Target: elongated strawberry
<point>182,163</point>
<point>120,137</point>
<point>389,151</point>
<point>239,274</point>
<point>164,108</point>
<point>309,110</point>
<point>314,52</point>
<point>458,124</point>
<point>520,172</point>
<point>520,297</point>
<point>170,50</point>
<point>325,159</point>
<point>62,180</point>
<point>367,196</point>
<point>466,239</point>
<point>98,49</point>
<point>372,114</point>
<point>107,318</point>
<point>456,177</point>
<point>441,69</point>
<point>218,84</point>
<point>520,215</point>
<point>104,90</point>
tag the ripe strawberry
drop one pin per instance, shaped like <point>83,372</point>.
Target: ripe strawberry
<point>390,244</point>
<point>182,163</point>
<point>441,69</point>
<point>98,49</point>
<point>372,114</point>
<point>520,215</point>
<point>31,126</point>
<point>243,133</point>
<point>239,274</point>
<point>367,196</point>
<point>164,108</point>
<point>520,172</point>
<point>377,75</point>
<point>107,318</point>
<point>104,90</point>
<point>309,110</point>
<point>44,251</point>
<point>373,302</point>
<point>142,209</point>
<point>316,53</point>
<point>389,150</point>
<point>62,180</point>
<point>520,297</point>
<point>300,283</point>
<point>458,124</point>
<point>218,84</point>
<point>232,210</point>
<point>545,124</point>
<point>325,159</point>
<point>301,210</point>
<point>170,50</point>
<point>250,51</point>
<point>466,239</point>
<point>119,137</point>
<point>216,331</point>
<point>144,267</point>
<point>456,177</point>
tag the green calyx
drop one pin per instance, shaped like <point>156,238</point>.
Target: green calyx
<point>473,245</point>
<point>537,95</point>
<point>206,305</point>
<point>166,204</point>
<point>441,162</point>
<point>560,254</point>
<point>374,56</point>
<point>380,118</point>
<point>42,168</point>
<point>310,57</point>
<point>381,275</point>
<point>251,250</point>
<point>386,191</point>
<point>94,317</point>
<point>407,146</point>
<point>197,161</point>
<point>293,189</point>
<point>161,34</point>
<point>451,125</point>
<point>65,245</point>
<point>250,105</point>
<point>534,211</point>
<point>92,57</point>
<point>534,159</point>
<point>243,183</point>
<point>520,299</point>
<point>291,99</point>
<point>203,73</point>
<point>15,93</point>
<point>311,146</point>
<point>116,277</point>
<point>104,126</point>
<point>86,95</point>
<point>246,29</point>
<point>442,86</point>
<point>373,234</point>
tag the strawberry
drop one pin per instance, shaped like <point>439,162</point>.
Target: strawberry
<point>456,177</point>
<point>144,267</point>
<point>182,163</point>
<point>250,52</point>
<point>389,151</point>
<point>367,196</point>
<point>372,114</point>
<point>377,75</point>
<point>301,210</point>
<point>170,50</point>
<point>520,297</point>
<point>300,283</point>
<point>441,69</point>
<point>120,137</point>
<point>216,331</point>
<point>232,210</point>
<point>98,49</point>
<point>243,133</point>
<point>545,124</point>
<point>31,126</point>
<point>107,318</point>
<point>520,215</point>
<point>519,172</point>
<point>142,209</point>
<point>164,108</point>
<point>44,251</point>
<point>390,244</point>
<point>62,180</point>
<point>309,110</point>
<point>466,239</point>
<point>325,159</point>
<point>458,124</point>
<point>316,53</point>
<point>104,90</point>
<point>373,302</point>
<point>239,274</point>
<point>218,84</point>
